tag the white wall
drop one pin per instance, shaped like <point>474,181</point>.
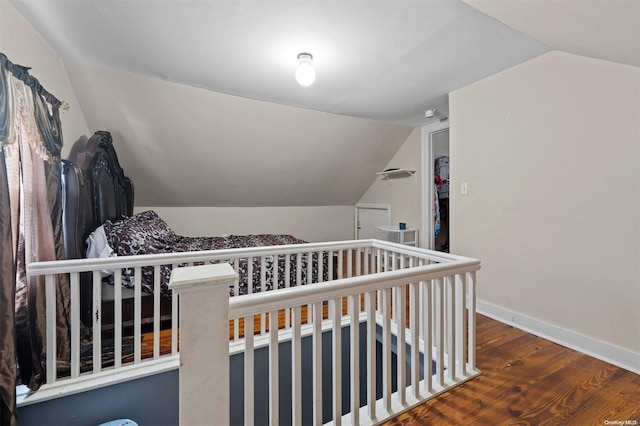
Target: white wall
<point>402,194</point>
<point>313,224</point>
<point>551,151</point>
<point>405,195</point>
<point>24,46</point>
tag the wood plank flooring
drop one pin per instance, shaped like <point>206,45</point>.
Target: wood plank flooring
<point>527,380</point>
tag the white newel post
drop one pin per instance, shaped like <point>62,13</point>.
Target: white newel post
<point>204,342</point>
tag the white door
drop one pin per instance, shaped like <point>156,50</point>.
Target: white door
<point>369,217</point>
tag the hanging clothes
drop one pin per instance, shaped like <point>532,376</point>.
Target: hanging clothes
<point>441,168</point>
<point>436,212</point>
<point>442,176</point>
<point>30,228</point>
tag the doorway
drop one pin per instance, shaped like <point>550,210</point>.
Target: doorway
<point>435,187</point>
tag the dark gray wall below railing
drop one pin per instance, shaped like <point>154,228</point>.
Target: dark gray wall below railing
<point>153,400</point>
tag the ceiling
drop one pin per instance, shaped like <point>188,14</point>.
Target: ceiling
<point>205,110</point>
<point>601,29</point>
<point>382,60</point>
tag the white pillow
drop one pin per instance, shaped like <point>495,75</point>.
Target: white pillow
<point>97,247</point>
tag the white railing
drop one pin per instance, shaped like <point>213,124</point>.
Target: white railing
<point>373,277</point>
<point>258,261</point>
<point>434,345</point>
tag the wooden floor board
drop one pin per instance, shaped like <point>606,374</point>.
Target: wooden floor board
<point>527,380</point>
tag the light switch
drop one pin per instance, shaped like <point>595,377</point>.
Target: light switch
<point>464,188</point>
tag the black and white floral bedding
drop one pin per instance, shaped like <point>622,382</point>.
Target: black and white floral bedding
<point>147,233</point>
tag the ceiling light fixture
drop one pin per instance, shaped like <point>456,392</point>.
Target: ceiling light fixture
<point>430,113</point>
<point>305,74</point>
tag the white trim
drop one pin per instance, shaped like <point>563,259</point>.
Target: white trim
<point>195,278</point>
<point>373,206</point>
<point>607,352</point>
<point>426,183</point>
<point>94,381</point>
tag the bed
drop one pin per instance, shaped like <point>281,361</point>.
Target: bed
<point>98,221</point>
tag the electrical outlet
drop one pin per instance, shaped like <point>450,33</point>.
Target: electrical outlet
<point>464,188</point>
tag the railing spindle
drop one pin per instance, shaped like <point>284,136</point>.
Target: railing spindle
<point>401,369</point>
<point>427,336</point>
<point>367,260</point>
<point>309,281</point>
<point>451,327</point>
<point>249,275</point>
<point>156,311</point>
<point>275,272</point>
<point>236,292</point>
<point>75,326</point>
<point>274,372</point>
<point>330,275</point>
<point>137,315</point>
<point>336,365</point>
<point>263,288</point>
<point>370,307</point>
<point>298,269</point>
<point>439,326</point>
<point>50,297</point>
<point>415,338</point>
<point>354,326</point>
<point>386,348</point>
<point>287,284</point>
<point>471,301</point>
<point>462,325</point>
<point>249,366</point>
<point>96,316</point>
<point>117,317</point>
<point>296,367</point>
<point>317,363</point>
<point>174,321</point>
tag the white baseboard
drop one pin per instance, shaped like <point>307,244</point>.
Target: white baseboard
<point>607,352</point>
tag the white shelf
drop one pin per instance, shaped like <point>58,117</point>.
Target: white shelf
<point>408,236</point>
<point>388,174</point>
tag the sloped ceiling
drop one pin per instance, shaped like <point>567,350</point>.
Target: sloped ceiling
<point>601,29</point>
<point>204,109</point>
<point>383,60</point>
<point>185,146</point>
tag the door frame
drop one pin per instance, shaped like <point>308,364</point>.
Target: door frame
<point>427,190</point>
<point>359,206</point>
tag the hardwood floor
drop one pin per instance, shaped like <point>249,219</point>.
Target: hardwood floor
<point>527,380</point>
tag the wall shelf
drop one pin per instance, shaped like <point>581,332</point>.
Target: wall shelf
<point>396,173</point>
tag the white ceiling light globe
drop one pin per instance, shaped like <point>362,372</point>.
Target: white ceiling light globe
<point>305,74</point>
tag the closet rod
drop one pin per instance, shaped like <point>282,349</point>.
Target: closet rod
<point>22,73</point>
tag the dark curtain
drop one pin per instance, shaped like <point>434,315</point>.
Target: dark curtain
<point>7,278</point>
<point>51,129</point>
<point>7,303</point>
<point>31,230</point>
